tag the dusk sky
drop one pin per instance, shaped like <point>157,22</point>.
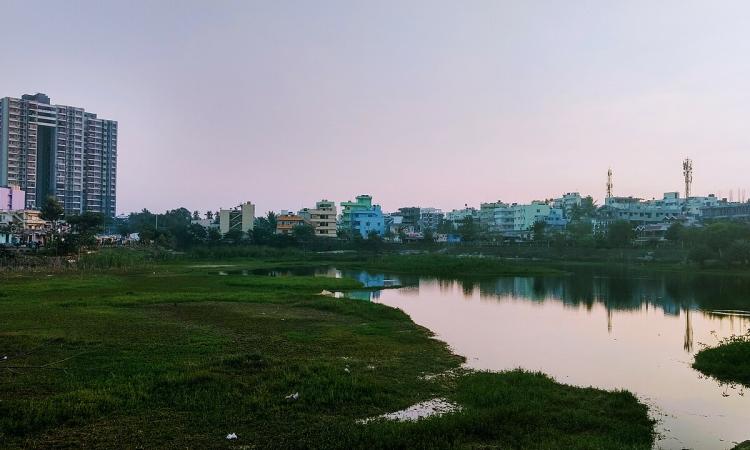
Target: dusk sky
<point>423,103</point>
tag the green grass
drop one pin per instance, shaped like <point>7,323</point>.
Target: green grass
<point>729,361</point>
<point>179,356</point>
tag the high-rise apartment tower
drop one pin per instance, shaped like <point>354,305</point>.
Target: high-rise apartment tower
<point>57,150</point>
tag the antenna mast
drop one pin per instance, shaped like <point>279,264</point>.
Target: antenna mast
<point>609,183</point>
<point>687,171</point>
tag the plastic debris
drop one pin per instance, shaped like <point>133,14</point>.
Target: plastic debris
<point>292,397</point>
<point>232,436</point>
<point>346,369</point>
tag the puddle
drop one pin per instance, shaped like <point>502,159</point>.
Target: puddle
<point>423,410</point>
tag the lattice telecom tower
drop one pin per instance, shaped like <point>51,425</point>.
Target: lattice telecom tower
<point>609,183</point>
<point>687,170</point>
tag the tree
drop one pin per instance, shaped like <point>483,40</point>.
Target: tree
<point>263,231</point>
<point>213,235</point>
<point>51,209</point>
<point>586,209</point>
<point>538,230</point>
<point>446,227</point>
<point>271,218</point>
<point>428,237</point>
<point>675,232</point>
<point>620,233</point>
<point>196,215</point>
<point>235,235</point>
<point>701,254</point>
<point>303,233</point>
<point>373,243</point>
<point>468,229</point>
<point>581,233</point>
<point>738,252</point>
<point>209,215</point>
<point>84,228</point>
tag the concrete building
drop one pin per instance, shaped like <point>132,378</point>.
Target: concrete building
<point>286,221</point>
<point>568,201</point>
<point>241,218</point>
<point>669,208</point>
<point>430,219</point>
<point>487,213</point>
<point>322,218</point>
<point>411,216</point>
<point>362,202</point>
<point>366,221</point>
<point>525,216</point>
<point>727,211</point>
<point>58,150</point>
<point>457,216</point>
<point>12,199</point>
<point>24,227</point>
<point>393,224</point>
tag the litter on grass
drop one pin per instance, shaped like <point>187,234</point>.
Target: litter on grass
<point>292,397</point>
<point>232,436</point>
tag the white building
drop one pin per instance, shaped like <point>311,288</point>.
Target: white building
<point>669,208</point>
<point>241,218</point>
<point>568,201</point>
<point>457,216</point>
<point>430,218</point>
<point>322,218</point>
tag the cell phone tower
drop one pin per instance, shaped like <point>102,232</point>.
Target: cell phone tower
<point>609,183</point>
<point>687,170</point>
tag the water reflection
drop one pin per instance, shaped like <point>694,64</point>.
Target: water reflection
<point>613,329</point>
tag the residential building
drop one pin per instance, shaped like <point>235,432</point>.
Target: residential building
<point>286,221</point>
<point>24,227</point>
<point>240,218</point>
<point>411,216</point>
<point>568,201</point>
<point>393,224</point>
<point>322,218</point>
<point>669,208</point>
<point>362,202</point>
<point>487,214</point>
<point>733,211</point>
<point>366,221</point>
<point>57,150</point>
<point>458,216</point>
<point>430,218</point>
<point>12,199</point>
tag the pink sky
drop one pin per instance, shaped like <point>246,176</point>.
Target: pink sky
<point>418,103</point>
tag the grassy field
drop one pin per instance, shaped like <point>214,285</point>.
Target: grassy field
<point>178,356</point>
<point>729,361</point>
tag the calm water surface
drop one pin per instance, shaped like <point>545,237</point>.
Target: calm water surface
<point>608,329</point>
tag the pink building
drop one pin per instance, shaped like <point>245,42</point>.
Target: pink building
<point>12,199</point>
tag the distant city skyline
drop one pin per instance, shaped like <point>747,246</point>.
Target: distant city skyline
<point>419,103</point>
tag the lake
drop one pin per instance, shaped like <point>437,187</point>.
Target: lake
<point>613,329</point>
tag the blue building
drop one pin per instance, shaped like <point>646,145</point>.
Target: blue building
<point>366,221</point>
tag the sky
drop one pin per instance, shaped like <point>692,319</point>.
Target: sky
<point>428,103</point>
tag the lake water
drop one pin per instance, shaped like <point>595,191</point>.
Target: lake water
<point>612,329</point>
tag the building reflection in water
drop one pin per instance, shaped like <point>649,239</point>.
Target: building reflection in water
<point>723,298</point>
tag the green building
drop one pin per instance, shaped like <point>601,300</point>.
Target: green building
<point>363,203</point>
